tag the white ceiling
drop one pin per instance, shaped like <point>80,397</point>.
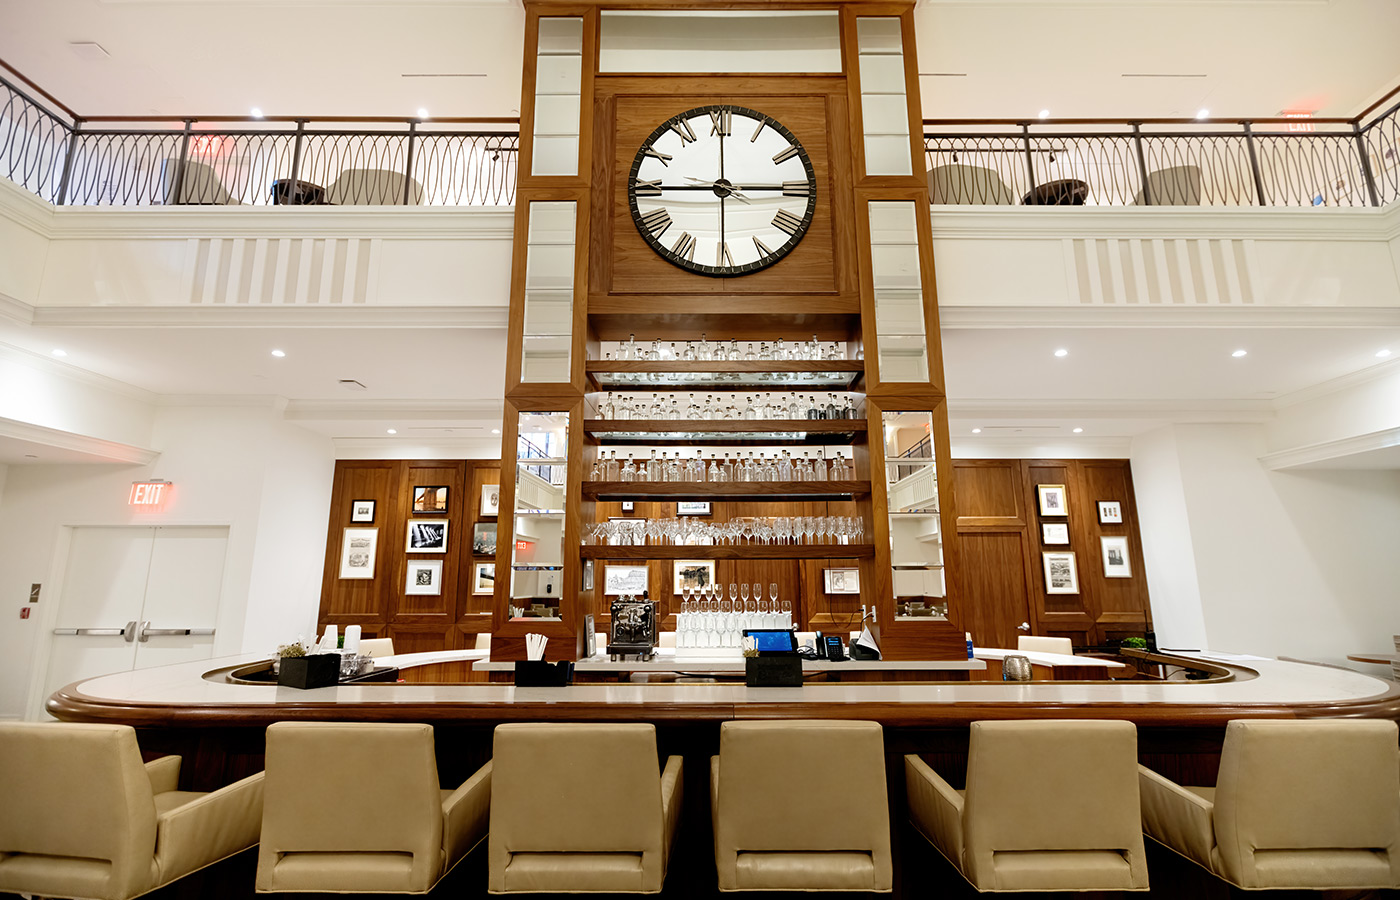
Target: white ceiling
<point>1013,57</point>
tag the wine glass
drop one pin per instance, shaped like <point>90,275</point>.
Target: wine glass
<point>757,591</point>
<point>773,592</point>
<point>744,591</point>
<point>733,591</point>
<point>809,527</point>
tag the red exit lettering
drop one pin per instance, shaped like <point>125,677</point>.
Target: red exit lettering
<point>148,493</point>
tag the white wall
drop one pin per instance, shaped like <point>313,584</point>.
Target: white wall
<point>243,467</point>
<point>1286,563</point>
<point>45,392</point>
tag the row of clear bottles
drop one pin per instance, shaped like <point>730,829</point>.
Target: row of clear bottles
<point>705,350</point>
<point>756,407</point>
<point>719,469</point>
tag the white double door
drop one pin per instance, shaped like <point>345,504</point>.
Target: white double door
<point>133,598</point>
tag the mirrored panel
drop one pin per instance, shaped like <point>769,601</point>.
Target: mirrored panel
<point>549,291</point>
<point>884,106</point>
<point>720,40</point>
<point>911,488</point>
<point>899,295</point>
<point>537,557</point>
<point>558,89</point>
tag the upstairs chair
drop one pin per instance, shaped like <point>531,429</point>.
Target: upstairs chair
<point>1174,186</point>
<point>958,184</point>
<point>1038,644</point>
<point>373,187</point>
<point>1049,806</point>
<point>767,834</point>
<point>375,648</point>
<point>581,808</point>
<point>80,816</point>
<point>1298,804</point>
<point>200,186</point>
<point>356,807</point>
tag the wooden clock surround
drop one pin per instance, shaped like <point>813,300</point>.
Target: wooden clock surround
<point>823,287</point>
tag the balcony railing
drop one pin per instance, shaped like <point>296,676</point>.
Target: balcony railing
<point>1167,162</point>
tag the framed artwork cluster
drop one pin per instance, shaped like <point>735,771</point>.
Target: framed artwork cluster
<point>1061,568</point>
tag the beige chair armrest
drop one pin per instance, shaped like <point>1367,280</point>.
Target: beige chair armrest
<point>671,794</point>
<point>1176,817</point>
<point>935,808</point>
<point>206,830</point>
<point>466,815</point>
<point>164,774</point>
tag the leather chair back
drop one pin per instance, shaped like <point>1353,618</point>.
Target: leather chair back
<point>1052,786</point>
<point>373,187</point>
<point>336,789</point>
<point>1173,186</point>
<point>79,791</point>
<point>768,772</point>
<point>375,648</point>
<point>959,184</point>
<point>1039,644</point>
<point>1328,790</point>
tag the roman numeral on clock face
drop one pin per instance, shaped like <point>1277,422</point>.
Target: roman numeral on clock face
<point>786,155</point>
<point>790,189</point>
<point>657,221</point>
<point>757,131</point>
<point>762,248</point>
<point>683,131</point>
<point>653,188</point>
<point>657,154</point>
<point>721,122</point>
<point>684,247</point>
<point>722,257</point>
<point>786,221</point>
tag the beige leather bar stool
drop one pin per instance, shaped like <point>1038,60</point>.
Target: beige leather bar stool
<point>766,835</point>
<point>1298,804</point>
<point>80,816</point>
<point>581,808</point>
<point>1049,806</point>
<point>356,807</point>
<point>1039,644</point>
<point>376,648</point>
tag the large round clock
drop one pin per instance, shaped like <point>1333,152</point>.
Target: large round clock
<point>722,190</point>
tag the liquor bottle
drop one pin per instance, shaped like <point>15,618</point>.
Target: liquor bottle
<point>781,351</point>
<point>794,409</point>
<point>721,352</point>
<point>704,351</point>
<point>689,354</point>
<point>629,472</point>
<point>596,474</point>
<point>611,467</point>
<point>830,411</point>
<point>653,468</point>
<point>727,468</point>
<point>850,411</point>
<point>715,473</point>
<point>749,411</point>
<point>605,409</point>
<point>693,410</point>
<point>708,412</point>
<point>784,472</point>
<point>655,353</point>
<point>629,350</point>
<point>671,353</point>
<point>675,410</point>
<point>820,472</point>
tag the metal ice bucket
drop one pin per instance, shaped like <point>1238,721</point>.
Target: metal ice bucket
<point>1015,668</point>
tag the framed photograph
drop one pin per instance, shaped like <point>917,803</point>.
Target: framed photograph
<point>1110,512</point>
<point>692,573</point>
<point>841,581</point>
<point>430,499</point>
<point>1115,557</point>
<point>1054,533</point>
<point>692,507</point>
<point>619,580</point>
<point>1061,574</point>
<point>427,536</point>
<point>588,575</point>
<point>629,506</point>
<point>424,577</point>
<point>357,552</point>
<point>361,510</point>
<point>1052,499</point>
<point>490,499</point>
<point>484,539</point>
<point>590,637</point>
<point>484,578</point>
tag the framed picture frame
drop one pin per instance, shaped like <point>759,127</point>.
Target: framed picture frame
<point>484,578</point>
<point>361,510</point>
<point>426,536</point>
<point>841,581</point>
<point>484,539</point>
<point>490,499</point>
<point>1116,561</point>
<point>1054,533</point>
<point>619,580</point>
<point>430,498</point>
<point>692,573</point>
<point>1061,573</point>
<point>590,637</point>
<point>1052,499</point>
<point>358,551</point>
<point>629,506</point>
<point>693,508</point>
<point>1110,512</point>
<point>424,577</point>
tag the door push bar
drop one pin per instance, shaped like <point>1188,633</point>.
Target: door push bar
<point>133,631</point>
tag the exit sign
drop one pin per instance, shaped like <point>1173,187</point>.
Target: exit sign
<point>148,494</point>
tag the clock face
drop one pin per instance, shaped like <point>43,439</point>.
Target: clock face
<point>722,190</point>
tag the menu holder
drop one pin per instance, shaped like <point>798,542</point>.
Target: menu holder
<point>773,671</point>
<point>538,673</point>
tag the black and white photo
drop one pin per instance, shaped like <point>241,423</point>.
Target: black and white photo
<point>362,511</point>
<point>424,577</point>
<point>427,536</point>
<point>1116,563</point>
<point>357,552</point>
<point>1054,533</point>
<point>490,499</point>
<point>1052,499</point>
<point>1061,573</point>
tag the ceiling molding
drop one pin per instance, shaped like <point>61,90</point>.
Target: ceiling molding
<point>289,316</point>
<point>16,310</point>
<point>223,401</point>
<point>1050,447</point>
<point>25,209</point>
<point>51,366</point>
<point>412,448</point>
<point>397,410</point>
<point>1158,316</point>
<point>1312,454</point>
<point>1340,383</point>
<point>1177,411</point>
<point>108,451</point>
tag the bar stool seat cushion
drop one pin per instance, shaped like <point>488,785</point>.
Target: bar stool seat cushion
<point>573,872</point>
<point>794,871</point>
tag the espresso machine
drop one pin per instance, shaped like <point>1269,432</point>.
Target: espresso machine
<point>633,630</point>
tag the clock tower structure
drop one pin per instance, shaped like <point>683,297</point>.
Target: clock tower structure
<point>662,198</point>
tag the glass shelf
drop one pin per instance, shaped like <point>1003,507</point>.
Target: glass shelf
<point>725,490</point>
<point>724,431</point>
<point>742,551</point>
<point>812,375</point>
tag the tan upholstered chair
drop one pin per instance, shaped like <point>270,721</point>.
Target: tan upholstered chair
<point>959,184</point>
<point>1049,806</point>
<point>1173,186</point>
<point>375,648</point>
<point>80,816</point>
<point>373,187</point>
<point>1298,804</point>
<point>1038,644</point>
<point>200,186</point>
<point>581,808</point>
<point>766,835</point>
<point>356,807</point>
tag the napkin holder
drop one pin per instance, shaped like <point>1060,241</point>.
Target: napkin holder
<point>316,670</point>
<point>538,673</point>
<point>773,671</point>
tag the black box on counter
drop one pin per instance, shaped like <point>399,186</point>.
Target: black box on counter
<point>538,673</point>
<point>773,671</point>
<point>315,671</point>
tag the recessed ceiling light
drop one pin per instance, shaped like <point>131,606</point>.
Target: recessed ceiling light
<point>392,431</point>
<point>1382,354</point>
<point>495,431</point>
<point>1045,113</point>
<point>1202,115</point>
<point>422,114</point>
<point>256,113</point>
<point>1062,353</point>
<point>58,352</point>
<point>1238,353</point>
<point>279,353</point>
<point>1079,431</point>
<point>976,431</point>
